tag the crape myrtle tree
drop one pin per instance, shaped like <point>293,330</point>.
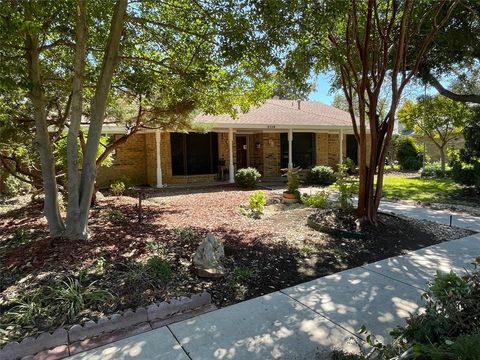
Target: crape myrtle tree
<point>366,44</point>
<point>436,117</point>
<point>73,60</point>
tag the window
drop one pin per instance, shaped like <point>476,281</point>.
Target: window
<point>303,150</point>
<point>194,154</point>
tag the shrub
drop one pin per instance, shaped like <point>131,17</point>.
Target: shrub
<point>257,202</point>
<point>433,170</point>
<point>115,215</point>
<point>117,188</point>
<point>408,156</point>
<point>75,294</point>
<point>464,172</point>
<point>350,166</point>
<point>321,175</point>
<point>346,188</point>
<point>14,186</point>
<point>247,178</point>
<point>292,180</point>
<point>318,200</point>
<point>158,268</point>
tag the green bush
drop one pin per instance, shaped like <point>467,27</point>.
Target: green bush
<point>350,166</point>
<point>464,170</point>
<point>318,200</point>
<point>257,202</point>
<point>14,186</point>
<point>408,156</point>
<point>117,188</point>
<point>321,175</point>
<point>247,178</point>
<point>158,268</point>
<point>434,170</point>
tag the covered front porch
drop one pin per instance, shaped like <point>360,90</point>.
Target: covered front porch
<point>216,156</point>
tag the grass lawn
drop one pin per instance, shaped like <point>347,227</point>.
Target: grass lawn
<point>425,190</point>
<point>420,189</point>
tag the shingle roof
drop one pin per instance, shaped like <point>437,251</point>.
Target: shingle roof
<point>284,113</point>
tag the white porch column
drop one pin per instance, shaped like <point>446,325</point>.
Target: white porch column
<point>341,146</point>
<point>231,169</point>
<point>159,159</point>
<point>290,140</point>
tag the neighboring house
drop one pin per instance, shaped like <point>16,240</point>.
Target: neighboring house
<point>275,135</point>
<point>428,147</point>
<point>431,150</point>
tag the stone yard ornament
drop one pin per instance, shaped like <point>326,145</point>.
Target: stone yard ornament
<point>207,258</point>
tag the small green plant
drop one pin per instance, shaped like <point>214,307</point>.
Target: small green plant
<point>318,200</point>
<point>116,215</point>
<point>307,250</point>
<point>20,236</point>
<point>186,234</point>
<point>240,276</point>
<point>321,175</point>
<point>117,188</point>
<point>257,202</point>
<point>247,178</point>
<point>153,247</point>
<point>345,187</point>
<point>27,309</point>
<point>293,182</point>
<point>75,294</point>
<point>158,268</point>
<point>100,263</point>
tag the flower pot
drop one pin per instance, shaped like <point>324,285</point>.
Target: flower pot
<point>289,198</point>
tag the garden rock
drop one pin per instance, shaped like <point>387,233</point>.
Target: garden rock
<point>207,258</point>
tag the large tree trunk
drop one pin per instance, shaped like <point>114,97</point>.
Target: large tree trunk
<point>43,143</point>
<point>73,231</point>
<point>98,107</point>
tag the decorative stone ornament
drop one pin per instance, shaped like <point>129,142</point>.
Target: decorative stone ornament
<point>207,258</point>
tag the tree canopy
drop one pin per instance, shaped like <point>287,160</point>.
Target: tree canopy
<point>139,64</point>
<point>437,117</point>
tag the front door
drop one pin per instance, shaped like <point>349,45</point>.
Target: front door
<point>241,144</point>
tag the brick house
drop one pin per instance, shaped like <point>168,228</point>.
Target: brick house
<point>275,135</point>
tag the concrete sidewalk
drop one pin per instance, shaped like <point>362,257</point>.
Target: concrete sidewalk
<point>308,320</point>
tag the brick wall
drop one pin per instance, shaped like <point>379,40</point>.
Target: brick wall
<point>328,149</point>
<point>129,163</point>
<point>271,154</point>
<point>256,154</point>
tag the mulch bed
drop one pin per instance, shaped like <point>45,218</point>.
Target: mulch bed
<point>262,256</point>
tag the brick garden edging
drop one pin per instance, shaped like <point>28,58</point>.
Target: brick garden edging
<point>62,343</point>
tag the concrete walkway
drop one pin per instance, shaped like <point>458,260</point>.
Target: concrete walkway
<point>308,320</point>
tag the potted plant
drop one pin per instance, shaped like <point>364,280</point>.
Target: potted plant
<point>291,195</point>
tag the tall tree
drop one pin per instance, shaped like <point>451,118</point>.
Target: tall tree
<point>436,117</point>
<point>455,54</point>
<point>366,43</point>
<point>172,58</point>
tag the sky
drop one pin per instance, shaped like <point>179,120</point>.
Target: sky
<point>322,91</point>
